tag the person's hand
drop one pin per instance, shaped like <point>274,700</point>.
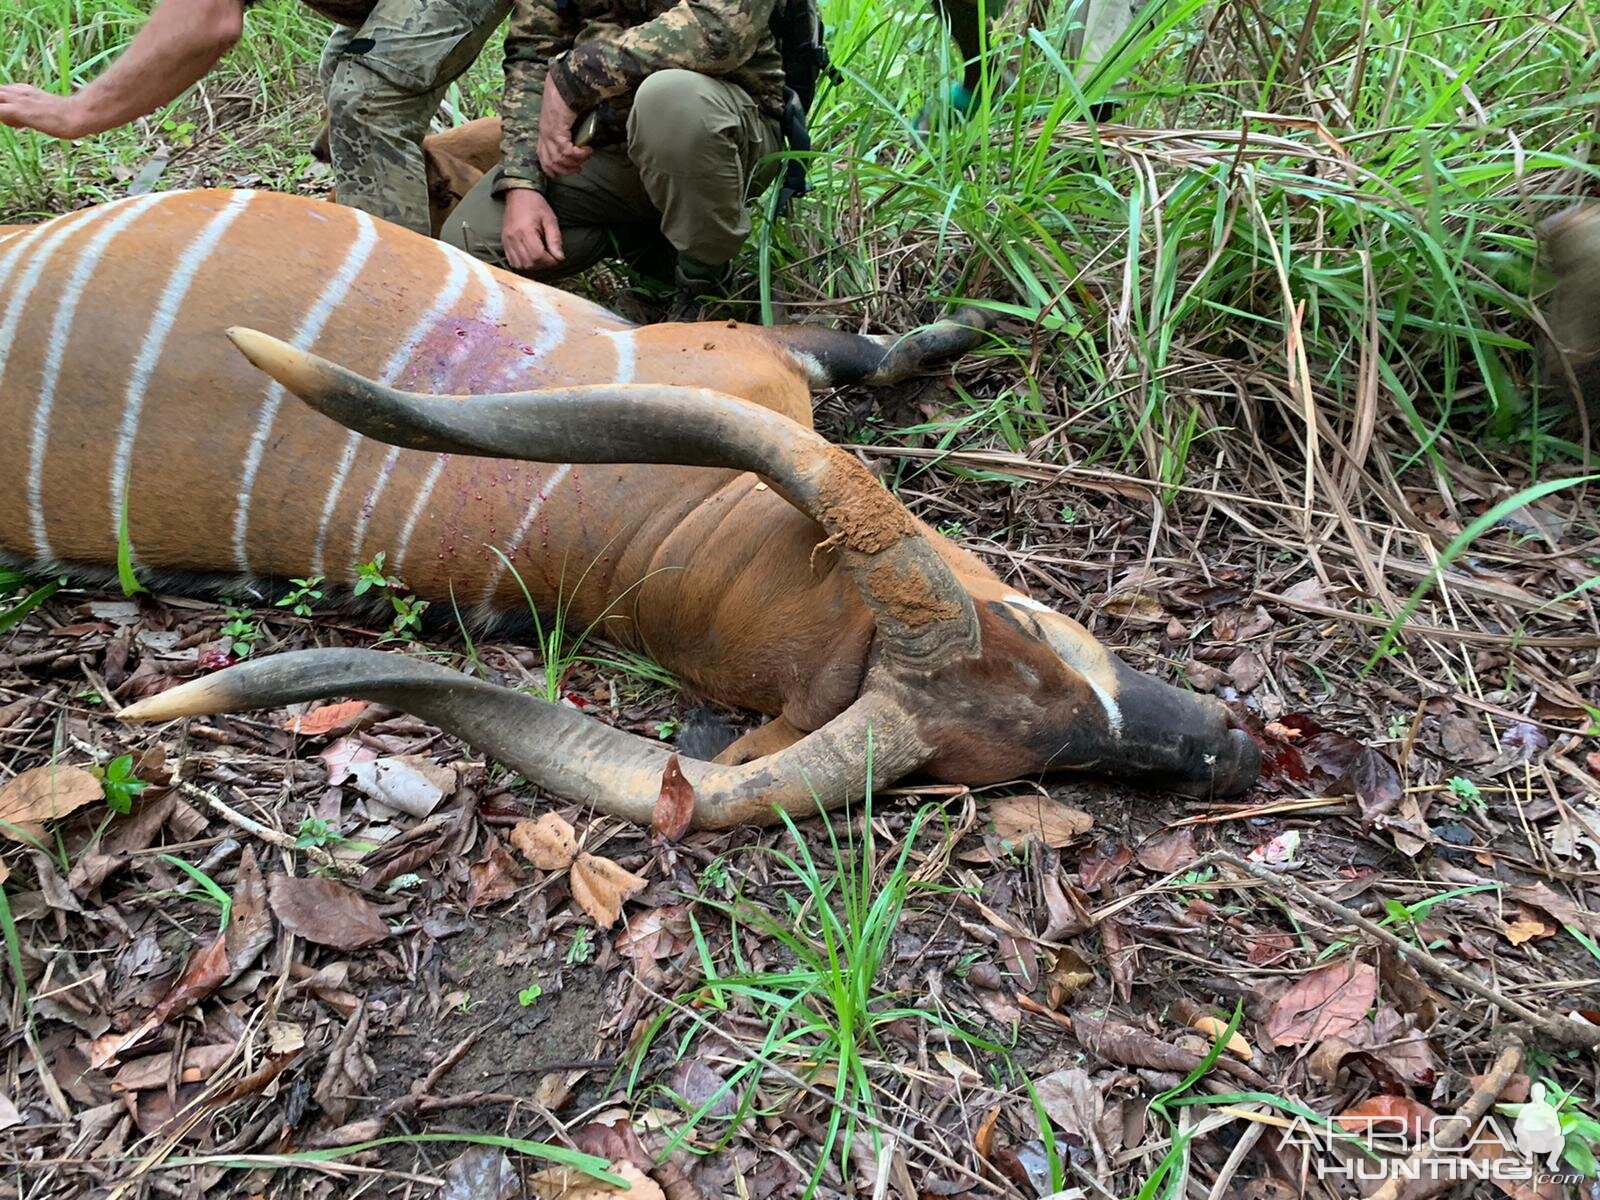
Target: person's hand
<point>531,234</point>
<point>25,107</point>
<point>557,153</point>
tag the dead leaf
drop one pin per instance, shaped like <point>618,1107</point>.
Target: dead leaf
<point>44,794</point>
<point>1540,896</point>
<point>9,1116</point>
<point>1067,976</point>
<point>1072,1102</point>
<point>983,1140</point>
<point>1168,852</point>
<point>674,810</point>
<point>1018,818</point>
<point>1373,780</point>
<point>1101,865</point>
<point>1215,1027</point>
<point>205,973</point>
<point>600,886</point>
<point>549,843</point>
<point>1326,1003</point>
<point>1387,1116</point>
<point>343,754</point>
<point>328,718</point>
<point>1518,932</point>
<point>413,783</point>
<point>250,924</point>
<point>154,1071</point>
<point>481,1173</point>
<point>494,877</point>
<point>349,1071</point>
<point>1247,671</point>
<point>326,912</point>
<point>566,1183</point>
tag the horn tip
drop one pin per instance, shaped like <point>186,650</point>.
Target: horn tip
<point>187,700</point>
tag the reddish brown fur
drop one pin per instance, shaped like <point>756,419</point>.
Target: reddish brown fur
<point>716,577</point>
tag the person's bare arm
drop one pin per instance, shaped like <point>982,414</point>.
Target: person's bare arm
<point>178,45</point>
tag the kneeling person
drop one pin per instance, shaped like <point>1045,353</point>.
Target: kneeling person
<point>683,103</point>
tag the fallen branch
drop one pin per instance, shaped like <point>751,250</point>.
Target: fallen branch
<point>1452,1131</point>
<point>1567,1033</point>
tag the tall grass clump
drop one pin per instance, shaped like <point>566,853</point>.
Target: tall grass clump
<point>1331,204</point>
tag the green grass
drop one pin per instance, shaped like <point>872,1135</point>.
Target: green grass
<point>822,1010</point>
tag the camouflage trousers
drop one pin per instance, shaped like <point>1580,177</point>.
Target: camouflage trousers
<point>383,83</point>
<point>697,149</point>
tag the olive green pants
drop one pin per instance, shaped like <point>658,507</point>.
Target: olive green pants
<point>697,149</point>
<point>383,83</point>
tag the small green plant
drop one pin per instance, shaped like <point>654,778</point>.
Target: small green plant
<point>120,785</point>
<point>209,890</point>
<point>370,575</point>
<point>1466,793</point>
<point>666,729</point>
<point>303,596</point>
<point>954,530</point>
<point>408,610</point>
<point>316,832</point>
<point>714,875</point>
<point>1068,514</point>
<point>529,996</point>
<point>242,629</point>
<point>582,948</point>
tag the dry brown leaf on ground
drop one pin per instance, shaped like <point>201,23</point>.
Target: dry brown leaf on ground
<point>565,1183</point>
<point>674,809</point>
<point>250,923</point>
<point>494,877</point>
<point>411,783</point>
<point>44,794</point>
<point>1518,932</point>
<point>1073,1103</point>
<point>600,886</point>
<point>342,755</point>
<point>155,1070</point>
<point>1168,852</point>
<point>1386,1115</point>
<point>1215,1027</point>
<point>326,912</point>
<point>549,843</point>
<point>1018,818</point>
<point>1541,896</point>
<point>206,971</point>
<point>328,718</point>
<point>1327,1002</point>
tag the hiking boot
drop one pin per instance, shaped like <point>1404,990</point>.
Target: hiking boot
<point>697,284</point>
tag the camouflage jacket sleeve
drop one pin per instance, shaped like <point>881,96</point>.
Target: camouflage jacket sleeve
<point>713,37</point>
<point>535,36</point>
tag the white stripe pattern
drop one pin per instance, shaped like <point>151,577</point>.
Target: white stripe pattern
<point>453,288</point>
<point>446,296</point>
<point>36,253</point>
<point>56,347</point>
<point>494,307</point>
<point>323,308</point>
<point>155,339</point>
<point>627,352</point>
<point>539,498</point>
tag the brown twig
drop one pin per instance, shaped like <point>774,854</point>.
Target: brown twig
<point>1450,1132</point>
<point>1567,1033</point>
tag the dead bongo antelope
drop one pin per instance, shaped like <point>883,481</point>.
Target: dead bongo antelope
<point>664,481</point>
